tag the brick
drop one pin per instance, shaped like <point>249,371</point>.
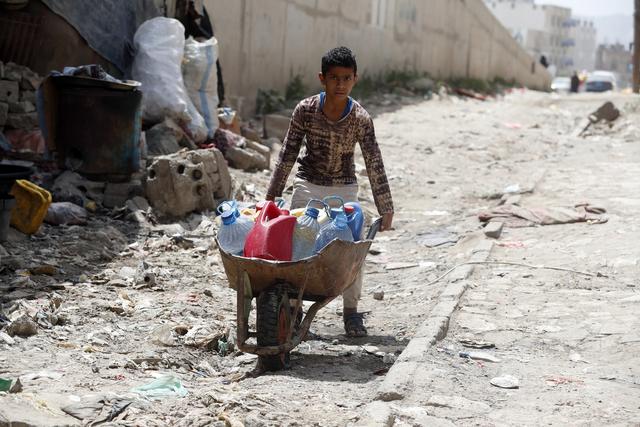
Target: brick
<point>21,107</point>
<point>28,95</point>
<point>9,91</point>
<point>25,121</point>
<point>4,113</point>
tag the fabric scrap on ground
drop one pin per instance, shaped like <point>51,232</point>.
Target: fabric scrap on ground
<point>518,216</point>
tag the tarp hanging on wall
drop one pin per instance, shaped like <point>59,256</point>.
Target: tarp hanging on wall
<point>108,26</point>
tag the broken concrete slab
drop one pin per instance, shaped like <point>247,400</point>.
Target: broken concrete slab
<point>187,181</point>
<point>166,138</point>
<point>493,229</point>
<point>19,411</point>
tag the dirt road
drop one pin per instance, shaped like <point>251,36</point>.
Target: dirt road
<point>570,339</point>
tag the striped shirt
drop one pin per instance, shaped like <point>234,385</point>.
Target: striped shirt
<point>328,155</point>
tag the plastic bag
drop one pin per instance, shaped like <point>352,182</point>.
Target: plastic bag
<point>201,78</point>
<point>159,46</point>
<point>62,213</point>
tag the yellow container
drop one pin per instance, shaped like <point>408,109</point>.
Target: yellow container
<point>32,203</point>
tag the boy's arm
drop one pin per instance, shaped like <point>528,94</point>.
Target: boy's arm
<point>288,154</point>
<point>377,175</point>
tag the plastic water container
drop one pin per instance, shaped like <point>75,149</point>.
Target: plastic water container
<point>271,236</point>
<point>32,203</point>
<point>355,219</point>
<point>234,229</point>
<point>336,229</point>
<point>305,233</point>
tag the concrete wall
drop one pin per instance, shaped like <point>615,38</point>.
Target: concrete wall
<point>264,43</point>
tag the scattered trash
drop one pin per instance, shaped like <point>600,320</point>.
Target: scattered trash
<point>607,113</point>
<point>518,216</point>
<point>400,265</point>
<point>162,387</point>
<point>478,355</point>
<point>95,410</point>
<point>505,381</point>
<point>66,213</point>
<point>6,338</point>
<point>438,238</point>
<point>378,295</point>
<point>493,229</point>
<point>560,380</point>
<point>11,386</point>
<point>475,343</point>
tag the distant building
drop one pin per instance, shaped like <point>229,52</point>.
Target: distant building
<point>583,52</point>
<point>568,44</point>
<point>617,59</point>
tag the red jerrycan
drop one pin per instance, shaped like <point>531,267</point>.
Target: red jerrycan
<point>271,236</point>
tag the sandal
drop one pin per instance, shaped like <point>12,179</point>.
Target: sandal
<point>354,325</point>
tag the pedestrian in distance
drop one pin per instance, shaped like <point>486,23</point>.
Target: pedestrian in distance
<point>575,82</point>
<point>330,125</point>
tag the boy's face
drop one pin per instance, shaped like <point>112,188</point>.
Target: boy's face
<point>338,82</point>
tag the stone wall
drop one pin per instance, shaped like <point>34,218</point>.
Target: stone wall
<point>264,43</point>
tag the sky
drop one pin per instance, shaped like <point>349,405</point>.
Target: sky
<point>595,7</point>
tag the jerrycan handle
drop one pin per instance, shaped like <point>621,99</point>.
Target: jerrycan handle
<point>279,202</point>
<point>328,207</point>
<point>268,212</point>
<point>322,204</point>
<point>233,205</point>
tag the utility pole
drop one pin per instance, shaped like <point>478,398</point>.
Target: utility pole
<point>636,49</point>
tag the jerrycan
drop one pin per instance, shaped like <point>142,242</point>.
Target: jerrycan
<point>355,219</point>
<point>306,232</point>
<point>336,229</point>
<point>272,234</point>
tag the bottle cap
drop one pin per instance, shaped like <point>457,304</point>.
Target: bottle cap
<point>312,212</point>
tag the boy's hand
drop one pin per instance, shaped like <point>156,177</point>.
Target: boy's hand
<point>387,220</point>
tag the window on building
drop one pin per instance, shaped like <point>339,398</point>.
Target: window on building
<point>378,13</point>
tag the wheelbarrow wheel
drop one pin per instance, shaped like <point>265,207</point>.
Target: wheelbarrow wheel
<point>272,325</point>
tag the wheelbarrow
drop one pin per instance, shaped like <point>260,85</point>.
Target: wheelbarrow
<point>280,287</point>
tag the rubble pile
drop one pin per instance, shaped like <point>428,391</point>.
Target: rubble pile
<point>18,115</point>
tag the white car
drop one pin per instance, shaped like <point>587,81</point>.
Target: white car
<point>561,84</point>
<point>601,81</point>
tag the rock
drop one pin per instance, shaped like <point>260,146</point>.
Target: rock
<point>276,126</point>
<point>403,92</point>
<point>6,339</point>
<point>138,204</point>
<point>25,121</point>
<point>250,133</point>
<point>271,143</point>
<point>421,85</point>
<point>117,194</point>
<point>30,80</point>
<point>378,295</point>
<point>493,229</point>
<point>4,113</point>
<point>23,327</point>
<point>21,107</point>
<point>187,181</point>
<point>28,96</point>
<point>245,159</point>
<point>9,91</point>
<point>166,138</point>
<point>16,411</point>
<point>13,71</point>
<point>505,381</point>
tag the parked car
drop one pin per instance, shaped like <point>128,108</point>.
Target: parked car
<point>601,81</point>
<point>561,84</point>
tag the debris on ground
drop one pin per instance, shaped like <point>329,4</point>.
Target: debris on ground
<point>519,216</point>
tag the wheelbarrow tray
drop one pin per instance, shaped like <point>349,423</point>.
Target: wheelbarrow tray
<point>326,274</point>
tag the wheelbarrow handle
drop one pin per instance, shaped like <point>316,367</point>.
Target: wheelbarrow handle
<point>374,228</point>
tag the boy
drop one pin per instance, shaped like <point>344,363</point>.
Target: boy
<point>330,124</point>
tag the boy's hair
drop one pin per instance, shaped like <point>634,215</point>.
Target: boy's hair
<point>339,57</point>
